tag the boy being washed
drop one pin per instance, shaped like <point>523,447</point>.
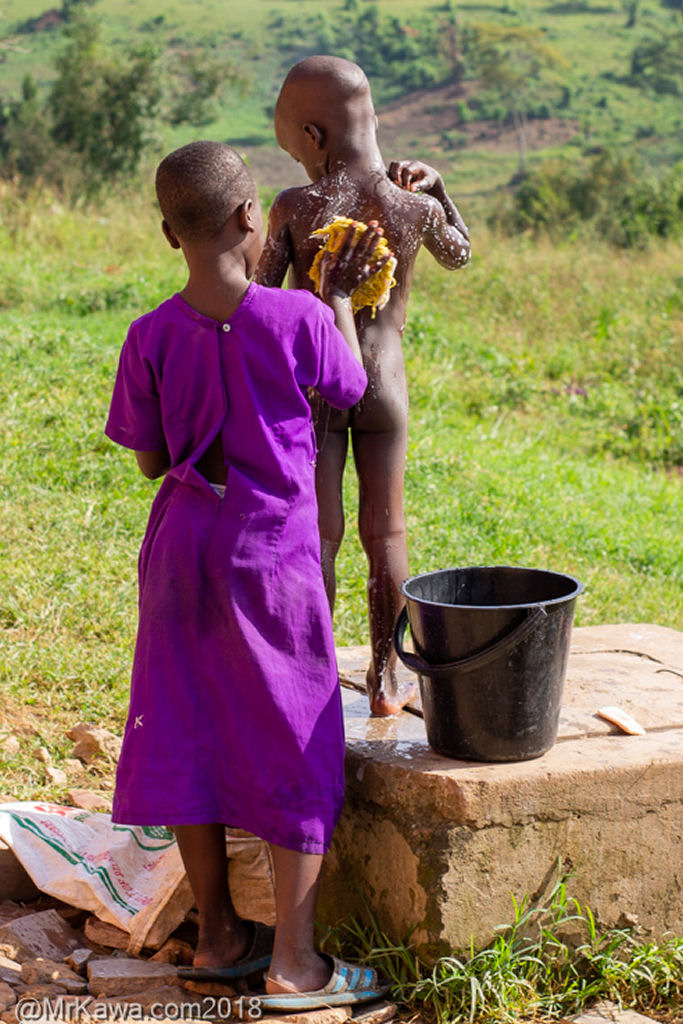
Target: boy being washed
<point>325,119</point>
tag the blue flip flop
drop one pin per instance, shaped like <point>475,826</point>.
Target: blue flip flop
<point>256,958</point>
<point>347,985</point>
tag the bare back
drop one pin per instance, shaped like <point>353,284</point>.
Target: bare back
<point>408,219</point>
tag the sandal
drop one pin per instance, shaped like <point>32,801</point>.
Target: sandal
<point>348,984</point>
<point>256,958</point>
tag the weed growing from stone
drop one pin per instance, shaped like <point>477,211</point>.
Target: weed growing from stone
<point>551,962</point>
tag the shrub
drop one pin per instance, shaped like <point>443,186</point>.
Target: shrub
<point>625,203</point>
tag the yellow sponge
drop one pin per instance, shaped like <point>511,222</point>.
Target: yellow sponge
<point>375,291</point>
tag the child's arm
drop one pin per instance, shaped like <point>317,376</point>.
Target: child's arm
<point>446,235</point>
<point>277,251</point>
<point>154,464</point>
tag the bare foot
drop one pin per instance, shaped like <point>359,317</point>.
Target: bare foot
<point>306,975</point>
<point>220,947</point>
<point>388,696</point>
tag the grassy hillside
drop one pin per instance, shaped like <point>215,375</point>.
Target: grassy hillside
<point>587,102</point>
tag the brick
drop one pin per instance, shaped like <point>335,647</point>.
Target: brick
<point>78,959</point>
<point>174,951</point>
<point>118,976</point>
<point>93,742</point>
<point>104,934</point>
<point>88,800</point>
<point>44,971</point>
<point>42,934</point>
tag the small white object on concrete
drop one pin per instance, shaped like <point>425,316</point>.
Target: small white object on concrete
<point>622,720</point>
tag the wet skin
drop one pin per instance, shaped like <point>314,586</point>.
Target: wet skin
<point>361,187</point>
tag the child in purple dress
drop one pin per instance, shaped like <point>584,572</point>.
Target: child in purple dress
<point>235,715</point>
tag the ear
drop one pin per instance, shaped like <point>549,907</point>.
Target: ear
<point>169,236</point>
<point>247,215</point>
<point>314,134</point>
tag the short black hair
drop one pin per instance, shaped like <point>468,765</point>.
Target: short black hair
<point>199,186</point>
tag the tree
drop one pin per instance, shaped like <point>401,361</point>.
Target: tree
<point>511,61</point>
<point>26,146</point>
<point>197,78</point>
<point>104,105</point>
<point>657,63</point>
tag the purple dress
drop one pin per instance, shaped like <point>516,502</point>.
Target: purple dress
<point>235,712</point>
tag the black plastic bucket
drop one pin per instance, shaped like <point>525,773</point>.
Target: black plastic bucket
<point>491,645</point>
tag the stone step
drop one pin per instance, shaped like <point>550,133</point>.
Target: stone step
<point>440,846</point>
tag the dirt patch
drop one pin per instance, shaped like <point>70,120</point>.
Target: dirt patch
<point>431,120</point>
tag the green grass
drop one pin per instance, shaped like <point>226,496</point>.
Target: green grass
<point>548,964</point>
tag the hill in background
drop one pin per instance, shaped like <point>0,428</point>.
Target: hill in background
<point>476,88</point>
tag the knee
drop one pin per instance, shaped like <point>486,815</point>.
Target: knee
<point>331,534</point>
<point>382,529</point>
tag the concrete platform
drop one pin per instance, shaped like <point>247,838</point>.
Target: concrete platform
<point>441,846</point>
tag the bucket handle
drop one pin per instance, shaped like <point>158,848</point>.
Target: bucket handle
<point>418,664</point>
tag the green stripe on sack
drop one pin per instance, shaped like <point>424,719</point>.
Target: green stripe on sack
<point>75,858</point>
<point>152,832</point>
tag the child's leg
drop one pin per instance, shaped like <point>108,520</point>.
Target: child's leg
<point>295,963</point>
<point>380,463</point>
<point>329,472</point>
<point>222,935</point>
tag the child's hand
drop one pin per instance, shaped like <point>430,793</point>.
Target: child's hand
<point>343,271</point>
<point>413,175</point>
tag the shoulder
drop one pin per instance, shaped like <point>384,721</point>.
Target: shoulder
<point>415,207</point>
<point>285,203</point>
<point>292,304</point>
<point>164,313</point>
<point>148,334</point>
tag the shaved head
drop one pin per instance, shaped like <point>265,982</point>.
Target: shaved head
<point>321,87</point>
<point>200,186</point>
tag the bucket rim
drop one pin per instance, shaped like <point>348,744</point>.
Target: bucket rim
<point>578,587</point>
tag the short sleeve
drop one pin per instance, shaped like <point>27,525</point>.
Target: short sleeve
<point>337,375</point>
<point>134,419</point>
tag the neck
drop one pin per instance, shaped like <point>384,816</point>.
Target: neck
<point>359,155</point>
<point>216,285</point>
